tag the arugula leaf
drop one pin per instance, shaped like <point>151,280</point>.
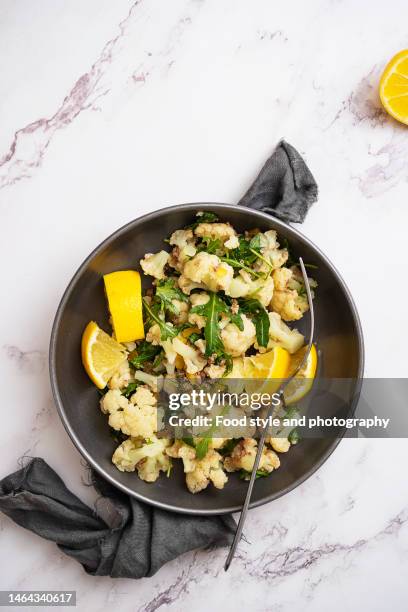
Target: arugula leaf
<point>144,352</point>
<point>260,318</point>
<point>166,331</point>
<point>245,255</point>
<point>294,436</point>
<point>130,389</point>
<point>228,364</point>
<point>237,320</point>
<point>158,359</point>
<point>210,245</point>
<point>228,446</point>
<point>205,217</point>
<point>194,337</point>
<point>245,475</point>
<point>201,448</point>
<point>212,310</point>
<point>166,291</point>
<point>189,441</point>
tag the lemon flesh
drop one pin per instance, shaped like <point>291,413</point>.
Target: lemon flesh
<point>265,371</point>
<point>303,381</point>
<point>124,294</point>
<point>101,354</point>
<point>394,87</point>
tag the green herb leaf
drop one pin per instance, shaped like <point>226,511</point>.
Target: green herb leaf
<point>205,217</point>
<point>294,436</point>
<point>166,292</point>
<point>210,245</point>
<point>194,337</point>
<point>144,352</point>
<point>245,475</point>
<point>201,448</point>
<point>228,446</point>
<point>130,389</point>
<point>189,441</point>
<point>166,331</point>
<point>212,311</point>
<point>245,255</point>
<point>260,318</point>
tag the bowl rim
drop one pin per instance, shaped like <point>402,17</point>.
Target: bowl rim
<point>194,207</point>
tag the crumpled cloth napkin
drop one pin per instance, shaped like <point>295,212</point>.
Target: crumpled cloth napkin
<point>125,538</point>
<point>284,188</point>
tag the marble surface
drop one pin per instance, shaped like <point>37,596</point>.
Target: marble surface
<point>113,109</point>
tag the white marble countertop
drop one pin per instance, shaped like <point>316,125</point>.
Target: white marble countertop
<point>113,109</point>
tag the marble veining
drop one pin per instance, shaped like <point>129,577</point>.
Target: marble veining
<point>111,110</point>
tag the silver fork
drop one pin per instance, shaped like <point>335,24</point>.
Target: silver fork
<point>261,443</point>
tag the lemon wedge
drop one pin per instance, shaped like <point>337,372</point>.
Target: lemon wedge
<point>101,354</point>
<point>303,381</point>
<point>124,293</point>
<point>394,87</point>
<point>261,369</point>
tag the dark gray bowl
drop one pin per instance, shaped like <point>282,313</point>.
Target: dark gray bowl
<point>338,335</point>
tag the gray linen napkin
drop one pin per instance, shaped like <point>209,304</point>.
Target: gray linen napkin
<point>284,188</point>
<point>131,541</point>
<point>126,538</point>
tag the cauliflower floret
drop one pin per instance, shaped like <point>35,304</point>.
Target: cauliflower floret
<point>148,458</point>
<point>286,301</point>
<point>181,450</point>
<point>182,238</point>
<point>113,401</point>
<point>193,359</point>
<point>239,287</point>
<point>222,231</point>
<point>243,285</point>
<point>217,443</point>
<point>280,445</point>
<point>262,290</point>
<point>187,285</point>
<point>143,397</point>
<point>243,457</point>
<point>153,335</point>
<point>237,342</point>
<point>182,312</point>
<point>154,382</point>
<point>232,243</point>
<point>271,252</point>
<point>197,299</point>
<point>137,417</point>
<point>209,469</point>
<point>282,335</point>
<point>199,473</point>
<point>121,377</point>
<point>268,240</point>
<point>153,264</point>
<point>215,371</point>
<point>209,270</point>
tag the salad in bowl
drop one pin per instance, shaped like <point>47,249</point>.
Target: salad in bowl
<point>220,305</point>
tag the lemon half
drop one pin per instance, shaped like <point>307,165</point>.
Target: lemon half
<point>265,371</point>
<point>394,87</point>
<point>303,381</point>
<point>101,354</point>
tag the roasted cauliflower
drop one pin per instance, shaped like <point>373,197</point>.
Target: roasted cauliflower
<point>148,457</point>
